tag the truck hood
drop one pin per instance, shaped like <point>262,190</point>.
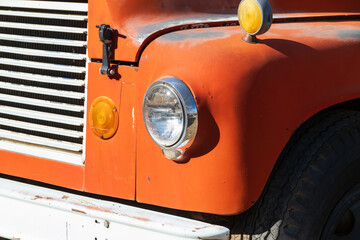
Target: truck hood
<point>139,22</point>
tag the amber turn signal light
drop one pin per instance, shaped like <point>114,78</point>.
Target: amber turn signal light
<point>103,117</point>
<point>255,16</point>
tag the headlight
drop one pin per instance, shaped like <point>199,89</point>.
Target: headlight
<point>170,115</point>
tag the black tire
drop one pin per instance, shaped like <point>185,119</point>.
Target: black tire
<point>312,177</point>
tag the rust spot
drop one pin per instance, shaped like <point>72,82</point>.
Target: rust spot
<point>79,211</point>
<point>36,197</point>
<point>65,197</point>
<point>138,218</point>
<point>202,227</point>
<point>96,208</point>
<point>40,197</point>
<point>142,219</point>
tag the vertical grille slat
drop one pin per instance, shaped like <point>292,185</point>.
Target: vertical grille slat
<point>43,57</point>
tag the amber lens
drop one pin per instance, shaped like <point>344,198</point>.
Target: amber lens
<point>250,16</point>
<point>103,117</point>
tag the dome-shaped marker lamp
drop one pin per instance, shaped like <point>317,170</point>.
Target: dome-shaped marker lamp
<point>255,18</point>
<point>103,117</point>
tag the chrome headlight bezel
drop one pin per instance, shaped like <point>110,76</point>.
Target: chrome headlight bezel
<point>189,111</point>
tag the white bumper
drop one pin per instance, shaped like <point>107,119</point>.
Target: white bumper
<point>31,212</point>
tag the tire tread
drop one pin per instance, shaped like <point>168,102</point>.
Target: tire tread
<point>296,174</point>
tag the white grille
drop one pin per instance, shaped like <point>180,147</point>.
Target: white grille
<point>43,57</point>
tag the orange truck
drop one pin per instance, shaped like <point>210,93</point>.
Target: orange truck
<point>180,119</point>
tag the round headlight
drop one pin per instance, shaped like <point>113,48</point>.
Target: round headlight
<point>170,113</point>
<point>164,115</point>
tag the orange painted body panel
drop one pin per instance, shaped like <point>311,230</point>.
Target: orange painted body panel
<point>130,18</point>
<point>110,164</point>
<point>137,21</point>
<point>43,170</point>
<point>251,97</point>
<point>244,120</point>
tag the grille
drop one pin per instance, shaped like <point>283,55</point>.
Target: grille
<point>43,58</point>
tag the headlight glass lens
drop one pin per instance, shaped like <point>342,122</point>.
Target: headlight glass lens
<point>164,115</point>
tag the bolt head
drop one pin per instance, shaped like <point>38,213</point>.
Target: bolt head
<point>106,223</point>
<point>112,72</point>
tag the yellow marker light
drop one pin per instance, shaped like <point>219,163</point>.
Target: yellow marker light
<point>250,16</point>
<point>103,117</point>
<point>255,16</point>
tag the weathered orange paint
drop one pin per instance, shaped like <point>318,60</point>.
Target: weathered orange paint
<point>130,18</point>
<point>43,170</point>
<point>251,97</point>
<point>110,164</point>
<point>315,6</point>
<point>237,145</point>
<point>137,20</point>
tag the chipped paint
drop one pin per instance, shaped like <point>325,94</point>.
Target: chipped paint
<point>321,30</point>
<point>133,118</point>
<point>36,197</point>
<point>201,228</point>
<point>79,211</point>
<point>66,215</point>
<point>185,23</point>
<point>185,39</point>
<point>137,218</point>
<point>150,32</point>
<point>65,197</point>
<point>142,23</point>
<point>345,34</point>
<point>182,36</point>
